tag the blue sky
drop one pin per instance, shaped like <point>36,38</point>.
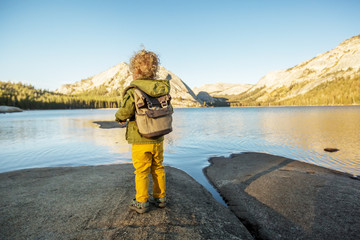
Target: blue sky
<point>50,43</point>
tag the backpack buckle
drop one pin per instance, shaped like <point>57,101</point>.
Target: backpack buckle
<point>149,104</point>
<point>164,103</point>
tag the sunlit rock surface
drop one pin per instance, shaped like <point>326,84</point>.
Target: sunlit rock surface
<point>280,198</point>
<point>92,203</point>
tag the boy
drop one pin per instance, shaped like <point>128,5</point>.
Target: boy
<point>147,153</point>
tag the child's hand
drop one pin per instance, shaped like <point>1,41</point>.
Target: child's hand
<point>122,123</point>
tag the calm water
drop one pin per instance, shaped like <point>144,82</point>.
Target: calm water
<point>34,139</point>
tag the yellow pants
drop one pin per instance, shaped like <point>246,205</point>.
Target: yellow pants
<point>148,158</point>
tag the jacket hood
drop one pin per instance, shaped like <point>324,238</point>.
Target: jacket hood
<point>154,88</point>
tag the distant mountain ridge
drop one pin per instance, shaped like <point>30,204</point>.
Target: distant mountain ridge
<point>223,88</point>
<point>344,61</point>
<point>332,77</point>
<point>315,79</point>
<point>208,92</point>
<point>117,78</point>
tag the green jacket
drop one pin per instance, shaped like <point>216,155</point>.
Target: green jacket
<point>154,88</point>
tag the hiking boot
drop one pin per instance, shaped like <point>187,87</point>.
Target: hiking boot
<point>139,207</point>
<point>160,202</point>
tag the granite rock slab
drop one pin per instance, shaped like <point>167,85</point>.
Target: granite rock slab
<point>91,202</point>
<point>280,198</point>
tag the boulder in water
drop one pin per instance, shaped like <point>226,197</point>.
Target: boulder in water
<point>8,109</point>
<point>331,149</point>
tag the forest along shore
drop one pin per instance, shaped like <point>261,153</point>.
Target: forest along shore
<point>280,198</point>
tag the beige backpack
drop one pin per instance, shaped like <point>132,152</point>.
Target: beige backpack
<point>153,115</point>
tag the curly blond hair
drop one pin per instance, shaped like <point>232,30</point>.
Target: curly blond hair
<point>144,64</point>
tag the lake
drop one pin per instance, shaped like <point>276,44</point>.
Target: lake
<point>49,138</point>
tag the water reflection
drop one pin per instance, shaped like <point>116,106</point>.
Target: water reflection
<point>313,129</point>
<point>69,137</point>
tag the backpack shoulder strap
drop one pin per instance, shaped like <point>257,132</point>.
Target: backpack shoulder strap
<point>164,100</point>
<point>127,88</point>
<point>139,96</point>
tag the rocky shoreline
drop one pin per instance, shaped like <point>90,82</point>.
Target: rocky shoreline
<point>280,198</point>
<point>8,109</point>
<point>268,197</point>
<point>92,203</point>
